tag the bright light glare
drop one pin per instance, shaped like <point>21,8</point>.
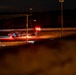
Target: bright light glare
<point>10,37</point>
<point>27,36</point>
<point>38,29</point>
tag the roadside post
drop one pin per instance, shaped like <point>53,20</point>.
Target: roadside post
<point>61,2</point>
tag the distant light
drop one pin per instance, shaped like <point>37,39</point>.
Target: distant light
<point>27,36</point>
<point>30,8</point>
<point>10,37</point>
<point>3,45</point>
<point>61,0</point>
<point>30,42</point>
<point>37,29</point>
<point>34,20</point>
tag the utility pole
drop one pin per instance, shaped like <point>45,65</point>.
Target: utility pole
<point>61,1</point>
<point>27,15</point>
<point>27,29</point>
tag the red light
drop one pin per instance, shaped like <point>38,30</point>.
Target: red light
<point>37,29</point>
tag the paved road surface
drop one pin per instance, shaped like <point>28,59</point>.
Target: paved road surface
<point>41,35</point>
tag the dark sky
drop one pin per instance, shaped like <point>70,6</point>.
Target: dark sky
<point>37,5</point>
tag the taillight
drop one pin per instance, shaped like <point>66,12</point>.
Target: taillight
<point>37,29</point>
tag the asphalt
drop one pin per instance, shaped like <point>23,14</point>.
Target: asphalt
<point>45,57</point>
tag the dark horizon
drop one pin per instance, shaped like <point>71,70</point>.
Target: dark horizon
<point>30,12</point>
<point>36,5</point>
<point>44,19</point>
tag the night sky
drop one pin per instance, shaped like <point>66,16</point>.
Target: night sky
<point>37,5</point>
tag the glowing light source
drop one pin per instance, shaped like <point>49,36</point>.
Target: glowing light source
<point>30,41</point>
<point>37,28</point>
<point>10,36</point>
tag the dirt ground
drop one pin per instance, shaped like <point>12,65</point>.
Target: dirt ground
<point>45,57</point>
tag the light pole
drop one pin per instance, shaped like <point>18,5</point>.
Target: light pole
<point>61,2</point>
<point>27,15</point>
<point>27,28</point>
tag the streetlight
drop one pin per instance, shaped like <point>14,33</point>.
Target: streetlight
<point>61,1</point>
<point>31,9</point>
<point>27,15</point>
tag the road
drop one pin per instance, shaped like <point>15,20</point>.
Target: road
<point>49,57</point>
<point>41,35</point>
<point>50,34</point>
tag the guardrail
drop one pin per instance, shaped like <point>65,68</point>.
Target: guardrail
<point>42,29</point>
